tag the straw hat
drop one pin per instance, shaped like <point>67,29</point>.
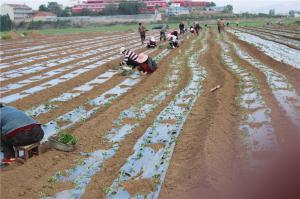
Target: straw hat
<point>122,49</point>
<point>142,58</point>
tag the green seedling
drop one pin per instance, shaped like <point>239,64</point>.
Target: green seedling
<point>66,138</point>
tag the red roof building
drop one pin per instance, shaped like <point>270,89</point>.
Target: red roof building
<point>190,3</point>
<point>151,5</point>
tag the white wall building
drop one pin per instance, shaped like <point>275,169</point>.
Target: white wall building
<point>16,11</point>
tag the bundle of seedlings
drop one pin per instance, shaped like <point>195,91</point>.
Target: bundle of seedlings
<point>63,141</point>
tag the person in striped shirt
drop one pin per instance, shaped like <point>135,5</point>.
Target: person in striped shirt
<point>130,57</point>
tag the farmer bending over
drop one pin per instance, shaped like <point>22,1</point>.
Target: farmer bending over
<point>142,62</point>
<point>17,129</point>
<point>130,57</point>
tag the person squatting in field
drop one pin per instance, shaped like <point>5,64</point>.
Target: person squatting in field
<point>151,43</point>
<point>142,62</point>
<point>17,129</point>
<point>173,39</point>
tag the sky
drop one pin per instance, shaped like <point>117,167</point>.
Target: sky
<point>254,6</point>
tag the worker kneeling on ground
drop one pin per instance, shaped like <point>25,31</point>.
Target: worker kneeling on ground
<point>173,40</point>
<point>17,129</point>
<point>151,43</point>
<point>142,61</point>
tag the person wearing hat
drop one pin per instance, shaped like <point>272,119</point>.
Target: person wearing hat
<point>147,65</point>
<point>192,30</point>
<point>151,43</point>
<point>142,61</point>
<point>130,57</point>
<point>173,40</point>
<point>17,129</point>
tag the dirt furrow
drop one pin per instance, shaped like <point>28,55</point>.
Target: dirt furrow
<point>33,50</point>
<point>208,149</point>
<point>66,106</point>
<point>100,183</point>
<point>54,60</point>
<point>281,124</point>
<point>17,44</point>
<point>41,77</point>
<point>91,136</point>
<point>293,74</point>
<point>51,53</point>
<point>46,94</point>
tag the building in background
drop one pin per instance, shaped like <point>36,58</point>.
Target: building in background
<point>93,5</point>
<point>151,5</point>
<point>16,11</point>
<point>43,16</point>
<point>175,10</point>
<point>190,3</point>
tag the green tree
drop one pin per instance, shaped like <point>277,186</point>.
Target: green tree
<point>67,12</point>
<point>130,7</point>
<point>84,12</point>
<point>211,4</point>
<point>43,7</point>
<point>55,8</point>
<point>228,9</point>
<point>292,13</point>
<point>110,9</point>
<point>6,23</point>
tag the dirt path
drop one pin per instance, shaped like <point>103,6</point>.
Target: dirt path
<point>208,147</point>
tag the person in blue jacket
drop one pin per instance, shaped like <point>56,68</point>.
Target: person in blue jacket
<point>17,129</point>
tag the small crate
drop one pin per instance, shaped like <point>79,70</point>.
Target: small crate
<point>28,151</point>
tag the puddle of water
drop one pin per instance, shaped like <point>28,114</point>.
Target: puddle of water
<point>277,51</point>
<point>256,124</point>
<point>283,91</point>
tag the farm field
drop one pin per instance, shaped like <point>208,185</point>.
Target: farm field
<point>165,135</point>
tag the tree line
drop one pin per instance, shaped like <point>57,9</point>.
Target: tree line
<point>5,23</point>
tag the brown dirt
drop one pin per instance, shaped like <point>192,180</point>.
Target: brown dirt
<point>156,147</point>
<point>139,186</point>
<point>208,150</point>
<point>38,53</point>
<point>35,173</point>
<point>208,156</point>
<point>13,80</point>
<point>104,178</point>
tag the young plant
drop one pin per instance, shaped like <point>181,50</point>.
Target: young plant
<point>66,138</point>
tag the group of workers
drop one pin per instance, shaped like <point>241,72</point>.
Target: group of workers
<point>18,129</point>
